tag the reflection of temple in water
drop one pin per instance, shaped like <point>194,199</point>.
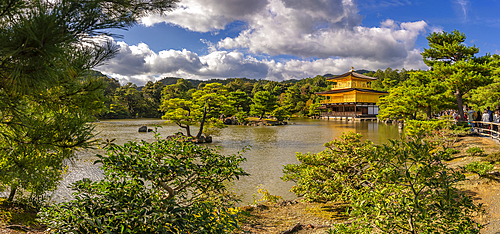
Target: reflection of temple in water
<point>352,96</point>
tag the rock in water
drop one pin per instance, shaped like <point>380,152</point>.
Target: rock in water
<point>143,129</point>
<point>208,139</point>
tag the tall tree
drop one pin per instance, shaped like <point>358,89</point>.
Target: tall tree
<point>488,96</point>
<point>178,90</point>
<point>182,112</point>
<point>212,99</point>
<point>47,89</point>
<point>455,64</point>
<point>264,102</point>
<point>418,93</point>
<point>240,101</point>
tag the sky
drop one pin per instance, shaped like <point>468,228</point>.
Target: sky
<point>293,39</point>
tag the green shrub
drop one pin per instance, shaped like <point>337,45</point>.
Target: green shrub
<point>265,196</point>
<point>317,176</point>
<point>281,113</point>
<point>452,151</point>
<point>241,116</point>
<point>475,151</point>
<point>493,157</point>
<point>480,168</point>
<point>400,187</point>
<point>447,153</point>
<point>168,186</point>
<point>422,128</point>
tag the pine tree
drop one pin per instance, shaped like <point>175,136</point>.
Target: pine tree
<point>455,64</point>
<point>48,91</point>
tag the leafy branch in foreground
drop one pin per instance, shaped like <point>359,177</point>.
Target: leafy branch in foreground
<point>167,186</point>
<point>48,92</point>
<point>400,187</point>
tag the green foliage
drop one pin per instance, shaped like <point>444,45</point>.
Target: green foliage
<point>480,168</point>
<point>442,134</point>
<point>475,151</point>
<point>240,101</point>
<point>489,95</point>
<point>280,113</point>
<point>388,79</point>
<point>209,102</point>
<point>400,187</point>
<point>313,109</point>
<point>493,157</point>
<point>452,151</point>
<point>417,129</point>
<point>213,127</point>
<point>212,100</point>
<point>265,196</point>
<point>182,112</point>
<point>49,92</point>
<point>178,90</point>
<point>318,177</point>
<point>454,64</point>
<point>419,93</point>
<point>167,186</point>
<point>241,116</point>
<point>264,102</point>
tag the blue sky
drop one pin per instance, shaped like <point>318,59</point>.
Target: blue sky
<point>293,39</point>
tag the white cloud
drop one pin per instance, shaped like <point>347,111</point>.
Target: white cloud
<point>327,33</point>
<point>313,28</point>
<point>331,33</point>
<point>207,15</point>
<point>139,64</point>
<point>463,7</point>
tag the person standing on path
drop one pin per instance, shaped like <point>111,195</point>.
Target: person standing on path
<point>470,117</point>
<point>485,118</point>
<point>490,115</point>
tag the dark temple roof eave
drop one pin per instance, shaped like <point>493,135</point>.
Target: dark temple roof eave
<point>350,89</point>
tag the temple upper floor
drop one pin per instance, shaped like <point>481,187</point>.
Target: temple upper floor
<point>352,79</point>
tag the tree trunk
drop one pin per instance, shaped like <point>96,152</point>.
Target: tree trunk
<point>262,115</point>
<point>413,116</point>
<point>460,105</point>
<point>188,130</point>
<point>429,112</point>
<point>13,190</point>
<point>202,122</point>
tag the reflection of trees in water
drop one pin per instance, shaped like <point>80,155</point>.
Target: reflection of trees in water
<point>271,147</point>
<point>265,134</point>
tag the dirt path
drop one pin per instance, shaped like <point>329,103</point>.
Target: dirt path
<point>483,190</point>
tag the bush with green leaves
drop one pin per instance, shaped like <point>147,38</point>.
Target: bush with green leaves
<point>493,157</point>
<point>281,113</point>
<point>480,168</point>
<point>400,187</point>
<point>475,151</point>
<point>441,132</point>
<point>167,186</point>
<point>323,176</point>
<point>447,153</point>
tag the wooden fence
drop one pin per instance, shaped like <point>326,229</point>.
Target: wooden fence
<point>488,129</point>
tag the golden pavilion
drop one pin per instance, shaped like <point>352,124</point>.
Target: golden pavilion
<point>351,96</point>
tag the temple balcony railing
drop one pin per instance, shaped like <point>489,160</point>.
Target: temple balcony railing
<point>353,84</point>
<point>342,114</point>
<point>359,98</point>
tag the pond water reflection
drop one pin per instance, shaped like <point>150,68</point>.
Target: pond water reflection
<point>271,148</point>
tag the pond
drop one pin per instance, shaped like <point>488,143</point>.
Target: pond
<point>271,148</point>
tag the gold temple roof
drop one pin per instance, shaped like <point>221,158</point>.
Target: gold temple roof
<point>353,74</point>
